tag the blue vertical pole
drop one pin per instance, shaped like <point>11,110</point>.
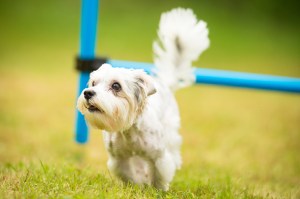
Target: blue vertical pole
<point>89,15</point>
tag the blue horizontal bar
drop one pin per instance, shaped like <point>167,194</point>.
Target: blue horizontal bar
<point>228,78</point>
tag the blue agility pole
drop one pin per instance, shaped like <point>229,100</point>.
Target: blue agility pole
<point>89,15</point>
<point>228,78</point>
<point>87,63</point>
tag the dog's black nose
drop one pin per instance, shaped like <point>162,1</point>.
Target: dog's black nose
<point>88,94</point>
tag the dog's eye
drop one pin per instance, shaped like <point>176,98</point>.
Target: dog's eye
<point>116,87</point>
<point>93,83</point>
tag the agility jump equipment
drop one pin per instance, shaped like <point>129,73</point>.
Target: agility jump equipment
<point>87,62</point>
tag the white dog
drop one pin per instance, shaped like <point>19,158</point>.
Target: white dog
<point>138,113</point>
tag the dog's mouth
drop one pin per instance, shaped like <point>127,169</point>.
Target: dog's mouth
<point>93,108</point>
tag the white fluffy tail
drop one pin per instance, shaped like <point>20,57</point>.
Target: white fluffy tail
<point>181,40</point>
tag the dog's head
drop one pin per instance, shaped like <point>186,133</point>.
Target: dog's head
<point>115,97</point>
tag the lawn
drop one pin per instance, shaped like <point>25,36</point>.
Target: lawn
<point>238,143</point>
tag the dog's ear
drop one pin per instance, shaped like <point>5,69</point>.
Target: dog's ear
<point>145,81</point>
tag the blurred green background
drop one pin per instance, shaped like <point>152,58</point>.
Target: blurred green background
<point>252,136</point>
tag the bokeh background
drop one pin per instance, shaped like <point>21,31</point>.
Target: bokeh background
<point>252,136</point>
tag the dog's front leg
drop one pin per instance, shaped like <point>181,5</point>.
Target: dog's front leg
<point>164,171</point>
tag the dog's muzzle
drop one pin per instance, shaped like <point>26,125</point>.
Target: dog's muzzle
<point>88,94</point>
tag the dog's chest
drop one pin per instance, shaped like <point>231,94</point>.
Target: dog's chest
<point>134,142</point>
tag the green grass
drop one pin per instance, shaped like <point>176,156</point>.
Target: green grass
<point>237,143</point>
<point>67,181</point>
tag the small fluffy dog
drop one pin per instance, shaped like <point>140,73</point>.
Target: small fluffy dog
<point>137,112</point>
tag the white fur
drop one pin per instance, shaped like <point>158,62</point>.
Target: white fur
<point>182,38</point>
<point>140,122</point>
